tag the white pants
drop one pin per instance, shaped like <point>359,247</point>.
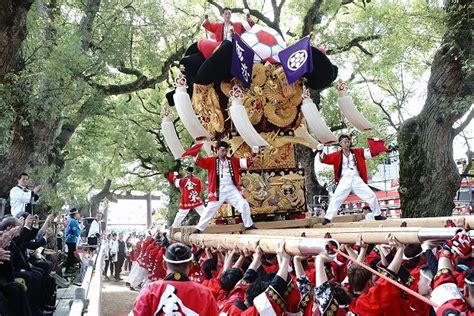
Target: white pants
<point>235,199</point>
<point>181,215</point>
<point>347,185</point>
<point>137,275</point>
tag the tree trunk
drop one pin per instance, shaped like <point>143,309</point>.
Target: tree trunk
<point>12,33</point>
<point>305,157</point>
<point>96,199</point>
<point>429,178</point>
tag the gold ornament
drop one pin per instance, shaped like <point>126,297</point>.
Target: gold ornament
<point>206,104</point>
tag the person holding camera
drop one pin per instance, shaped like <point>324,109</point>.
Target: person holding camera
<point>22,198</point>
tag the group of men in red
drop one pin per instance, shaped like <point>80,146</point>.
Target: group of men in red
<point>197,281</point>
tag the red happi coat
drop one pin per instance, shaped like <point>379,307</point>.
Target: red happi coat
<point>136,251</point>
<point>335,159</point>
<point>447,295</point>
<point>165,296</point>
<point>218,28</point>
<point>383,299</point>
<point>211,164</point>
<point>142,257</point>
<point>191,188</point>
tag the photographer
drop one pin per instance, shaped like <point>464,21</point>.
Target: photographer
<point>22,198</point>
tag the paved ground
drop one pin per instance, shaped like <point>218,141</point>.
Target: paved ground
<point>117,299</point>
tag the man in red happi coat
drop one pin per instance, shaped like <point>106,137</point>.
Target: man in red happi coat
<point>222,31</point>
<point>175,294</point>
<point>350,173</point>
<point>223,180</point>
<point>445,290</point>
<point>191,188</point>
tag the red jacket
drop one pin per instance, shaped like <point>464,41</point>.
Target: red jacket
<point>218,28</point>
<point>211,163</point>
<point>447,295</point>
<point>184,297</point>
<point>191,188</point>
<point>335,159</point>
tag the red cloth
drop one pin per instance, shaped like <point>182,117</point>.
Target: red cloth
<point>452,299</point>
<point>381,299</point>
<point>136,251</point>
<point>335,159</point>
<point>211,163</point>
<point>191,188</point>
<point>218,28</point>
<point>376,146</point>
<point>213,285</point>
<point>271,268</point>
<point>157,269</point>
<point>181,295</point>
<point>237,293</point>
<point>192,151</point>
<point>207,47</point>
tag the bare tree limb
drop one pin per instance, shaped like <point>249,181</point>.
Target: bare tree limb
<point>463,125</point>
<point>142,81</point>
<point>356,42</point>
<point>312,17</point>
<point>470,156</point>
<point>380,105</point>
<point>257,14</point>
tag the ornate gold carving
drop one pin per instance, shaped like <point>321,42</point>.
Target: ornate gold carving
<point>270,192</point>
<point>206,104</point>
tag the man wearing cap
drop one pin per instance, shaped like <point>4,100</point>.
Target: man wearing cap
<point>350,174</point>
<point>191,188</point>
<point>223,180</point>
<point>72,232</point>
<point>176,294</point>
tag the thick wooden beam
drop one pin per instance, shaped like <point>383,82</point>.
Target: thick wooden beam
<point>376,235</point>
<point>411,222</point>
<point>293,245</point>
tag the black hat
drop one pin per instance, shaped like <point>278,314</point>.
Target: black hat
<point>342,137</point>
<point>190,169</point>
<point>222,143</point>
<point>178,253</point>
<point>73,211</point>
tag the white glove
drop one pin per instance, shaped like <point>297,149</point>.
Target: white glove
<point>320,147</point>
<point>246,11</point>
<point>255,149</point>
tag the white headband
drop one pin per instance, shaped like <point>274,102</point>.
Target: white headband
<point>178,261</point>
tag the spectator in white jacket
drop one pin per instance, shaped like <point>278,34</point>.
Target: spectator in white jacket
<point>22,198</point>
<point>107,241</point>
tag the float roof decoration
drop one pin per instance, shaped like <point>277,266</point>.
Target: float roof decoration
<point>266,43</point>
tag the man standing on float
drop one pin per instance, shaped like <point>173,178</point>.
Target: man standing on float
<point>223,180</point>
<point>350,174</point>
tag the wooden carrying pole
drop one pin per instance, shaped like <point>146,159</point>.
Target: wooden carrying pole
<point>406,235</point>
<point>411,222</point>
<point>294,246</point>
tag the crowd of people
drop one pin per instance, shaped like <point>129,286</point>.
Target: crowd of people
<point>179,280</point>
<point>35,251</point>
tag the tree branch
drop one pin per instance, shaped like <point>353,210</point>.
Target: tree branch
<point>142,81</point>
<point>380,105</point>
<point>356,42</point>
<point>463,125</point>
<point>311,18</point>
<point>273,24</point>
<point>470,156</point>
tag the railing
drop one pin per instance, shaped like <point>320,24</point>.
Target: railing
<point>88,296</point>
<point>95,294</point>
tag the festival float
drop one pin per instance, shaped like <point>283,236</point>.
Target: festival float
<point>254,91</point>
